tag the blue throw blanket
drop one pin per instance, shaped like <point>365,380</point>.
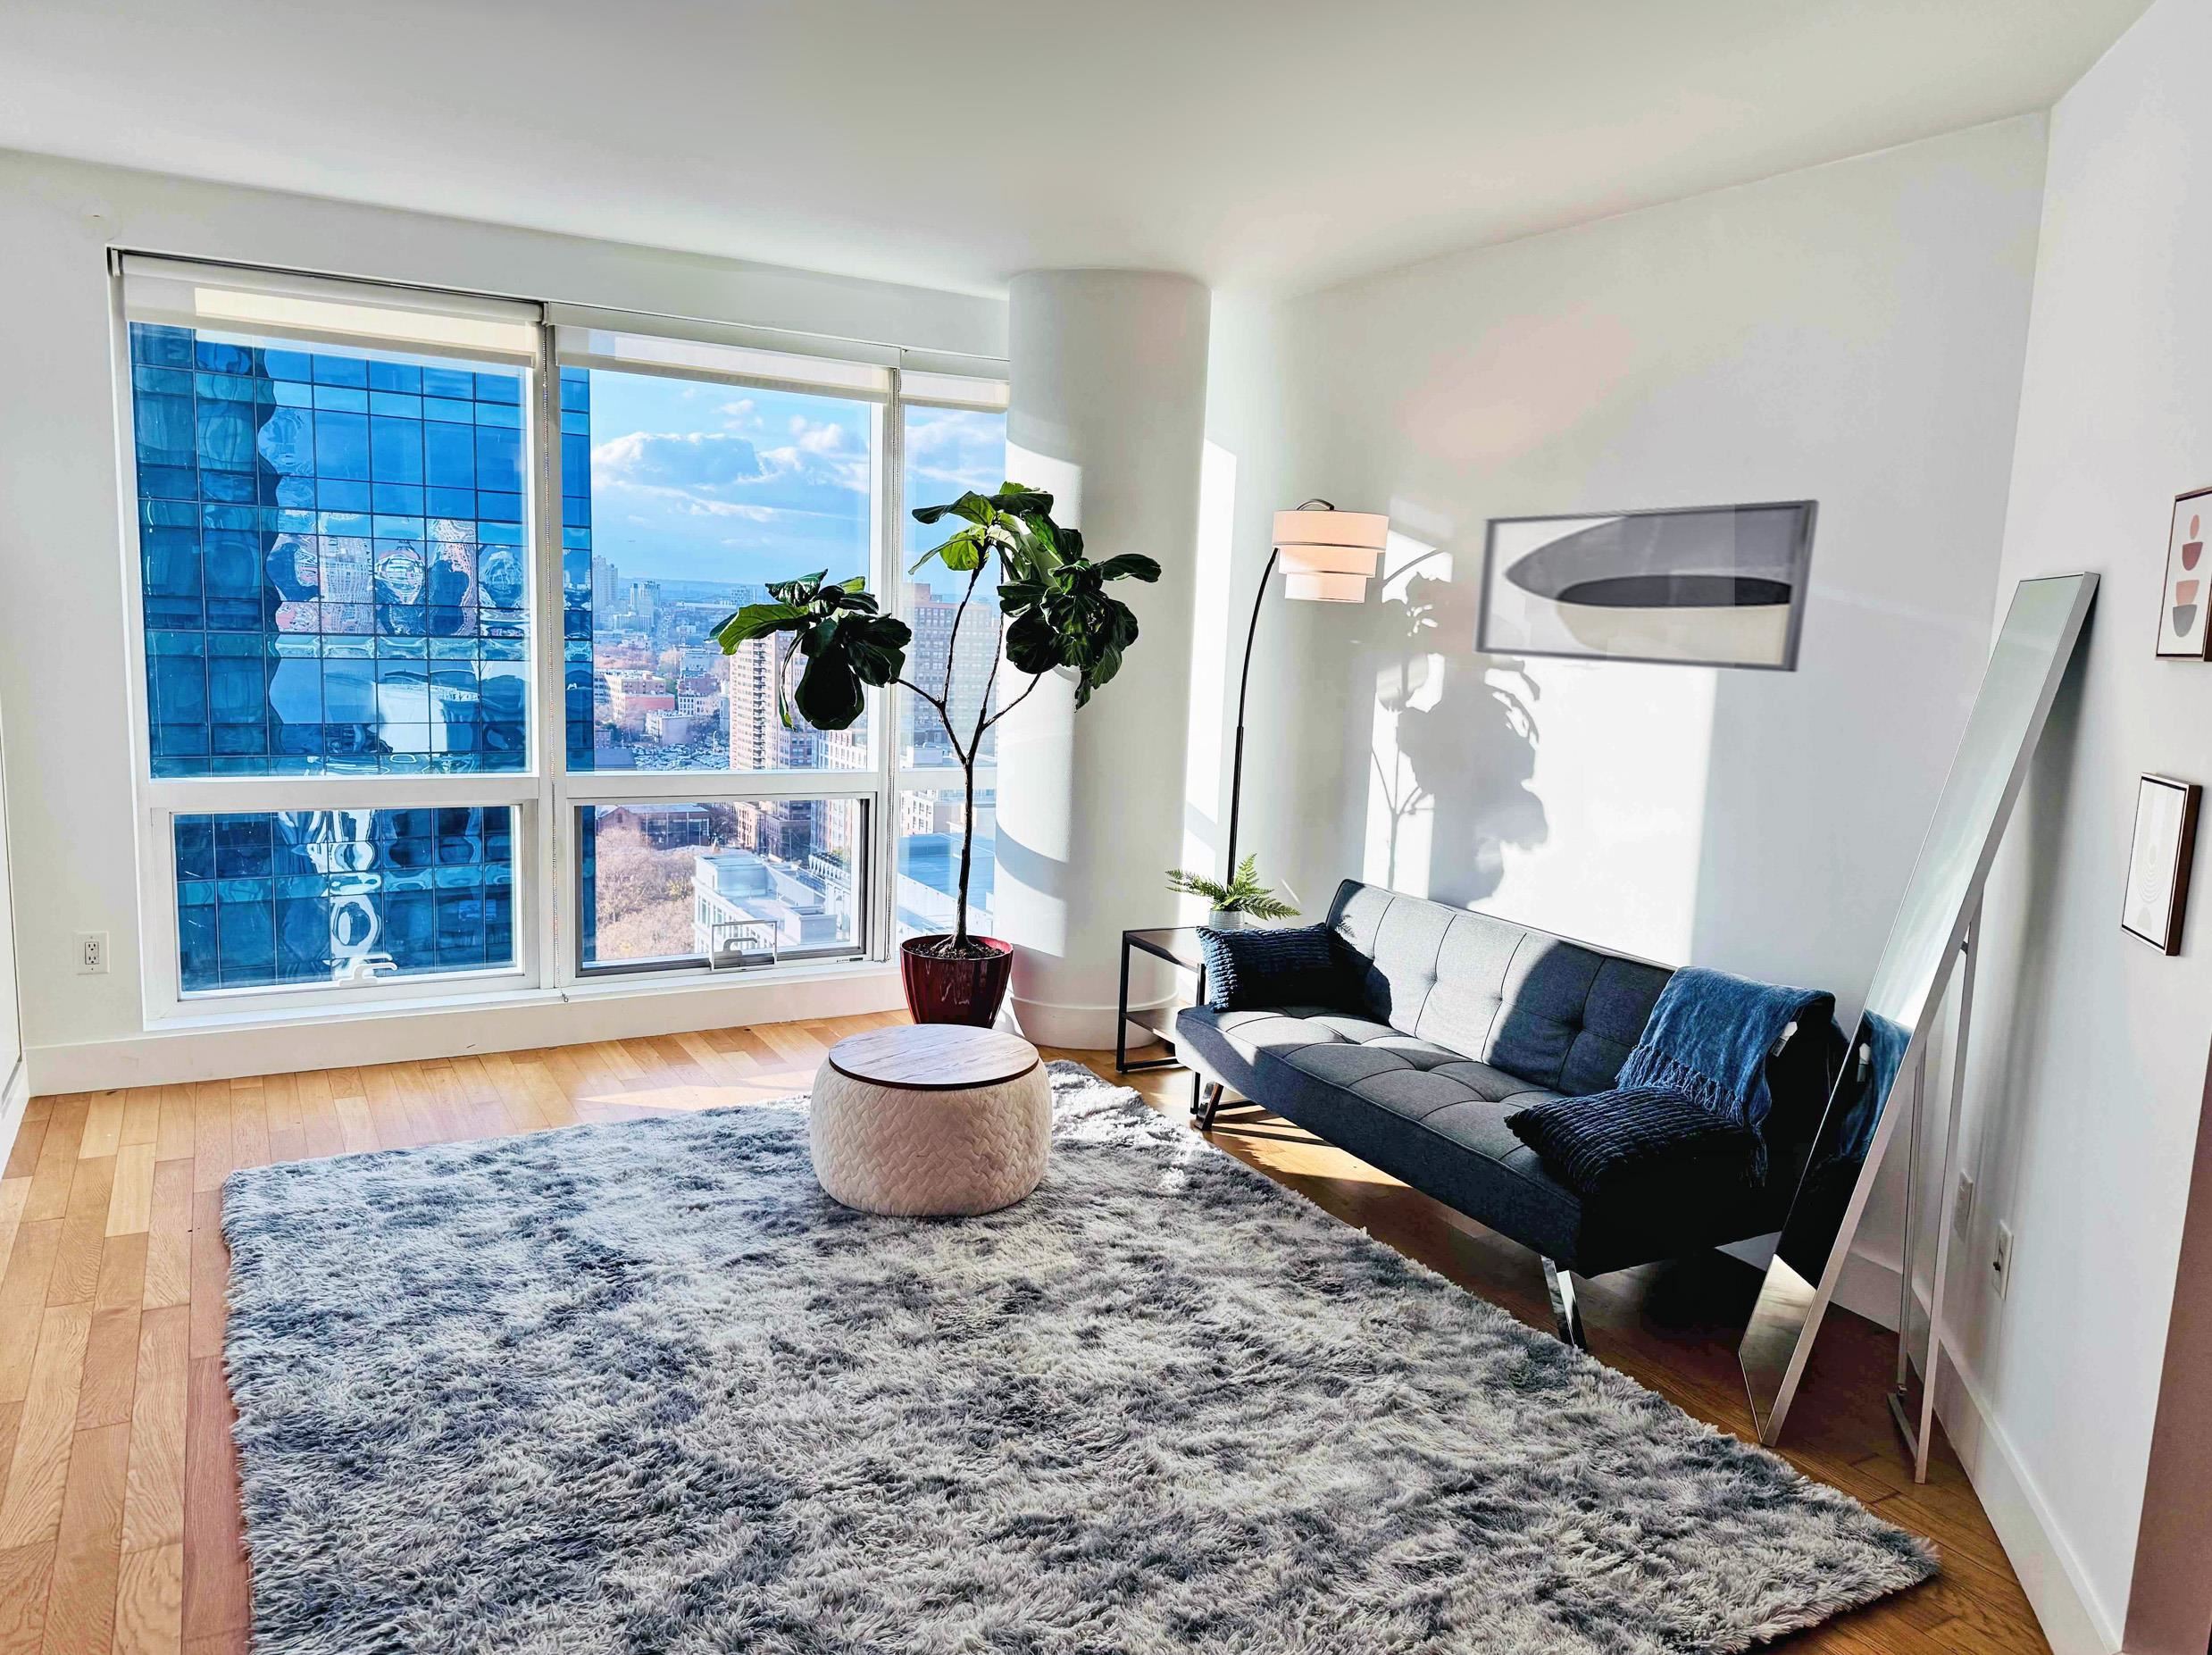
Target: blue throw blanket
<point>1709,1036</point>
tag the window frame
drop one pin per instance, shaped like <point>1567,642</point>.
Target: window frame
<point>544,795</point>
<point>695,967</point>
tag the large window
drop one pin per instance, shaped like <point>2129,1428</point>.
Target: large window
<point>429,587</point>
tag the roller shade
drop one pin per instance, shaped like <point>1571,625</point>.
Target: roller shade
<point>313,310</point>
<point>927,388</point>
<point>758,358</point>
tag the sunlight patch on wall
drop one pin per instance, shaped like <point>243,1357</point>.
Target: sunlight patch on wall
<point>1621,772</point>
<point>1036,827</point>
<point>1212,638</point>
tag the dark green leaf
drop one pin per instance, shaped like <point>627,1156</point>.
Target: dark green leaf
<point>830,696</point>
<point>1015,596</point>
<point>961,553</point>
<point>975,507</point>
<point>1032,645</point>
<point>1131,566</point>
<point>1023,501</point>
<point>876,647</point>
<point>800,591</point>
<point>757,621</point>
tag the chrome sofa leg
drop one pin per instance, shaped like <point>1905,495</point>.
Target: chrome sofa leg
<point>1565,1314</point>
<point>1209,1105</point>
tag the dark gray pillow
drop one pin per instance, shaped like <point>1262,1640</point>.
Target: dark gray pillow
<point>1278,967</point>
<point>1598,1142</point>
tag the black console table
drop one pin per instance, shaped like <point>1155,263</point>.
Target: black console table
<point>1179,946</point>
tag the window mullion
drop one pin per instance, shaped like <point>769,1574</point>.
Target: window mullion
<point>889,557</point>
<point>551,895</point>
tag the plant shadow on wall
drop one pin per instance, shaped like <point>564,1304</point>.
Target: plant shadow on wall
<point>1453,748</point>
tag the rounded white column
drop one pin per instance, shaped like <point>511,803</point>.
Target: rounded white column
<point>1108,413</point>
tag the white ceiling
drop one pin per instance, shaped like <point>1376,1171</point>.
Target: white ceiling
<point>956,142</point>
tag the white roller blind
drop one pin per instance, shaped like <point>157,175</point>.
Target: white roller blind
<point>734,355</point>
<point>928,388</point>
<point>213,299</point>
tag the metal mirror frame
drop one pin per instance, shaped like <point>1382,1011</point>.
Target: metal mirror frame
<point>1786,1319</point>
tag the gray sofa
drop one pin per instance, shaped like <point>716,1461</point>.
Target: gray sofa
<point>1442,1022</point>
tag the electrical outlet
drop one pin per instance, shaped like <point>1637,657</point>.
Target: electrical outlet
<point>92,952</point>
<point>1962,1207</point>
<point>2000,1258</point>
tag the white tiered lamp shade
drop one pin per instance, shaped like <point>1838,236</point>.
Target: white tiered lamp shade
<point>1328,555</point>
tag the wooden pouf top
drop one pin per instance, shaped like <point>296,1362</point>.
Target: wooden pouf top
<point>933,1057</point>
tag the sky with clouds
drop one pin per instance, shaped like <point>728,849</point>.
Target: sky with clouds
<point>693,481</point>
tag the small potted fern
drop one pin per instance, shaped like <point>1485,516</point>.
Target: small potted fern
<point>1241,898</point>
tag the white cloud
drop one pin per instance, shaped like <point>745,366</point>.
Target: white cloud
<point>681,459</point>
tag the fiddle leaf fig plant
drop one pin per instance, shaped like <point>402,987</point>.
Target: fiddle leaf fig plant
<point>1057,612</point>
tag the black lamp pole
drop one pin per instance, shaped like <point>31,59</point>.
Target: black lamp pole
<point>1244,684</point>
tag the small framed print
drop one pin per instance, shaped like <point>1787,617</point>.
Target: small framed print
<point>2184,629</point>
<point>2157,861</point>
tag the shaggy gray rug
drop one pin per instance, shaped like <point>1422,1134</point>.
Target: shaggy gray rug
<point>643,1387</point>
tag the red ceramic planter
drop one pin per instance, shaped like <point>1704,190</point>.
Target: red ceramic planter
<point>955,991</point>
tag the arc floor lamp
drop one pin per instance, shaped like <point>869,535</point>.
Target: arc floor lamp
<point>1328,556</point>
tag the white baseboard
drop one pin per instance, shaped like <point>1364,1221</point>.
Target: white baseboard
<point>2074,1619</point>
<point>225,1048</point>
<point>13,1098</point>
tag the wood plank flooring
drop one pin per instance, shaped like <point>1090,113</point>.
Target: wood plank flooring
<point>119,1516</point>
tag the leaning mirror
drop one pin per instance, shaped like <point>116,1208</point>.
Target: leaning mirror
<point>1940,899</point>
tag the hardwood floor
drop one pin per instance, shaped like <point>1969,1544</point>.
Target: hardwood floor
<point>119,1519</point>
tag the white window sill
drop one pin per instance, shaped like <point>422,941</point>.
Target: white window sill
<point>629,986</point>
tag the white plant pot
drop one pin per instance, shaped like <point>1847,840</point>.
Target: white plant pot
<point>1224,919</point>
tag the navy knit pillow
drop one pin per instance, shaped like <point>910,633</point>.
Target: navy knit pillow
<point>1268,967</point>
<point>1592,1143</point>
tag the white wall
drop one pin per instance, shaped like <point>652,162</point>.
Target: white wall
<point>62,578</point>
<point>2086,1087</point>
<point>15,1087</point>
<point>1851,334</point>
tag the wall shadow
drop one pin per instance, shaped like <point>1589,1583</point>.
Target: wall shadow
<point>1455,742</point>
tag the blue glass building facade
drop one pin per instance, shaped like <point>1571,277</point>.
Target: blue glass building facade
<point>269,898</point>
<point>334,561</point>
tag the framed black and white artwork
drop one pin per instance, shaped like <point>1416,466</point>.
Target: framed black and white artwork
<point>2165,843</point>
<point>1695,586</point>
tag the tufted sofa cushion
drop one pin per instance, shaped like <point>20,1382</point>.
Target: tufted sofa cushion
<point>1558,1014</point>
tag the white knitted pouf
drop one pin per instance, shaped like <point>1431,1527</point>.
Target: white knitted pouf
<point>935,1119</point>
